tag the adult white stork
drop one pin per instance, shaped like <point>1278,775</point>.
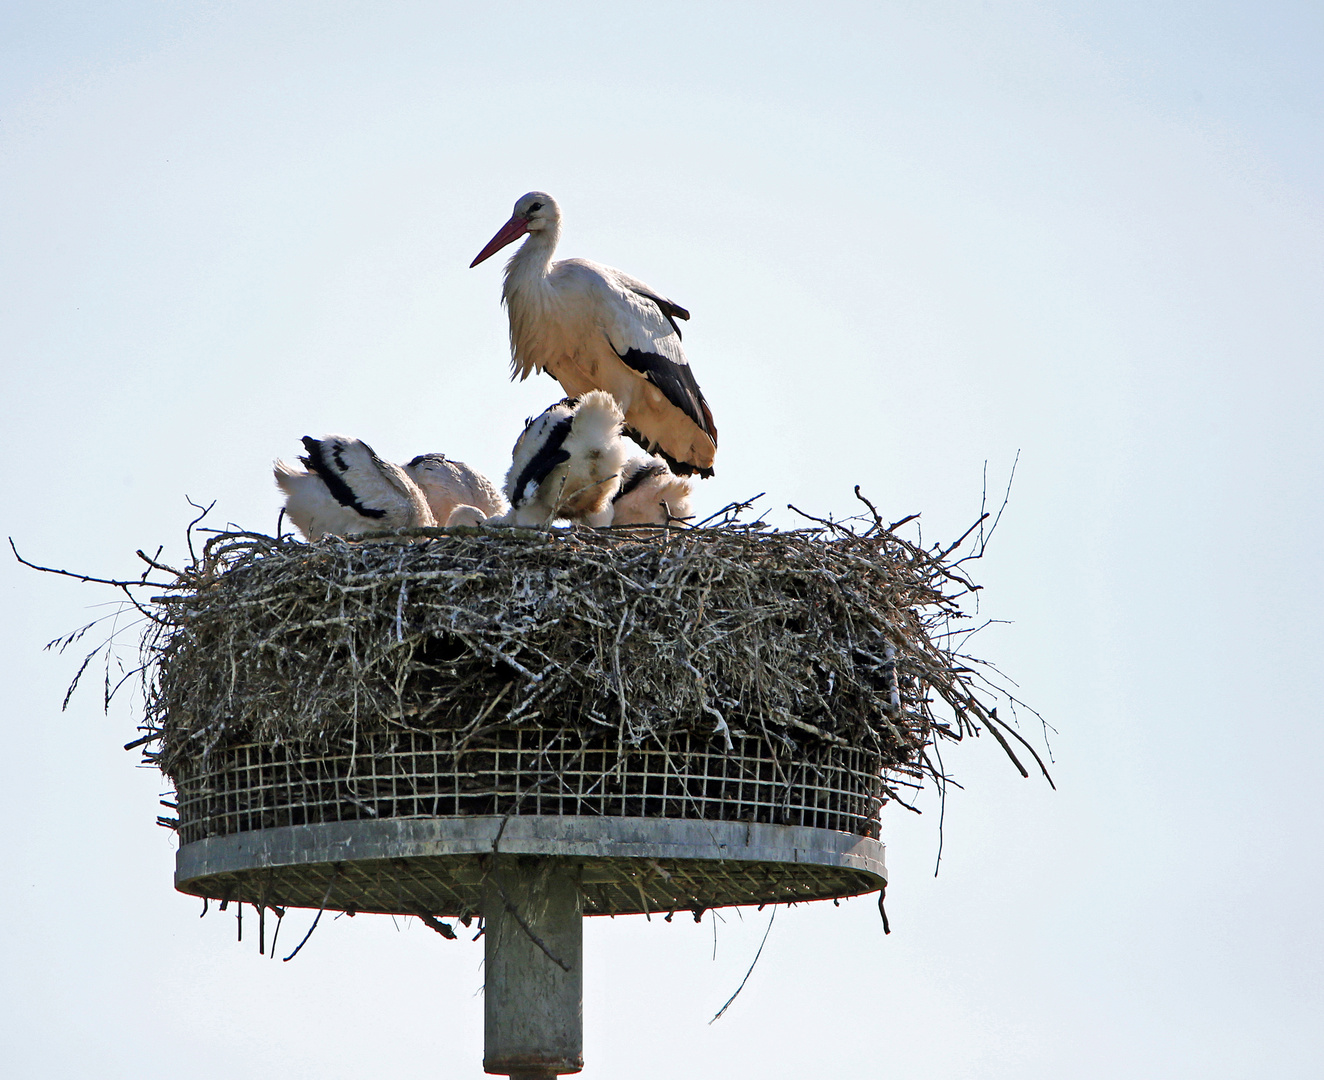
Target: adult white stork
<point>448,484</point>
<point>566,464</point>
<point>595,328</point>
<point>346,488</point>
<point>650,494</point>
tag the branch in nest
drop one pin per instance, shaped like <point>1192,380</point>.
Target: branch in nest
<point>87,577</point>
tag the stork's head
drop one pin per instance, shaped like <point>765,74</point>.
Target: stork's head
<point>538,209</point>
<point>535,212</point>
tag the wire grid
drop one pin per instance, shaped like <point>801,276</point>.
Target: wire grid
<point>533,771</point>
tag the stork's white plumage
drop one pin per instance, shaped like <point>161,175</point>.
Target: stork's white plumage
<point>567,463</point>
<point>596,328</point>
<point>650,494</point>
<point>346,488</point>
<point>449,484</point>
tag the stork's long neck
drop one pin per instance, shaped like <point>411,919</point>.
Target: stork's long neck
<point>527,269</point>
<point>529,298</point>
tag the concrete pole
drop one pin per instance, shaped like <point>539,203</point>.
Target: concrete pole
<point>534,961</point>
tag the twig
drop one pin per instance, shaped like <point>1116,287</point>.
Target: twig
<point>877,521</point>
<point>941,781</point>
<point>153,563</point>
<point>992,717</point>
<point>86,577</point>
<point>984,538</point>
<point>832,525</point>
<point>1006,496</point>
<point>992,728</point>
<point>188,533</point>
<point>280,921</point>
<point>749,972</point>
<point>961,539</point>
<point>731,510</point>
<point>326,897</point>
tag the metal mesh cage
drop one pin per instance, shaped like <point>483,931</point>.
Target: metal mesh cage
<point>532,771</point>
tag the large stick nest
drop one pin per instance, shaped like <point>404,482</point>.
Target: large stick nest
<point>797,637</point>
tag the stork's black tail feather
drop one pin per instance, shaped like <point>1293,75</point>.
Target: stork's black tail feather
<point>680,468</point>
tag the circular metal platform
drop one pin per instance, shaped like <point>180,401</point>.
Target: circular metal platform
<point>436,866</point>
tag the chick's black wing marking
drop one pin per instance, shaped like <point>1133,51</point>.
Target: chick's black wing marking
<point>548,457</point>
<point>644,472</point>
<point>332,477</point>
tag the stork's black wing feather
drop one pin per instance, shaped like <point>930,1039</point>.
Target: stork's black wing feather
<point>671,310</point>
<point>677,384</point>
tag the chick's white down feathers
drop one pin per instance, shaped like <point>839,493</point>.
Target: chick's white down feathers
<point>448,485</point>
<point>567,463</point>
<point>651,494</point>
<point>570,462</point>
<point>345,488</point>
<point>469,515</point>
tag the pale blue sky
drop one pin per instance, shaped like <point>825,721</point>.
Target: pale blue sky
<point>914,238</point>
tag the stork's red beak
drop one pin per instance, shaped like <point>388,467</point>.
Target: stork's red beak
<point>511,231</point>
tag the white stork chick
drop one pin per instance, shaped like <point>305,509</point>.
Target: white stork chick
<point>596,328</point>
<point>567,463</point>
<point>346,488</point>
<point>448,485</point>
<point>468,515</point>
<point>650,494</point>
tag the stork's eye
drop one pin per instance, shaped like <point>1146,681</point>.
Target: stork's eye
<point>535,208</point>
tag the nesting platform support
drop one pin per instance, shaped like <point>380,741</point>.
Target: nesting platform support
<point>532,878</point>
<point>519,718</point>
<point>533,993</point>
